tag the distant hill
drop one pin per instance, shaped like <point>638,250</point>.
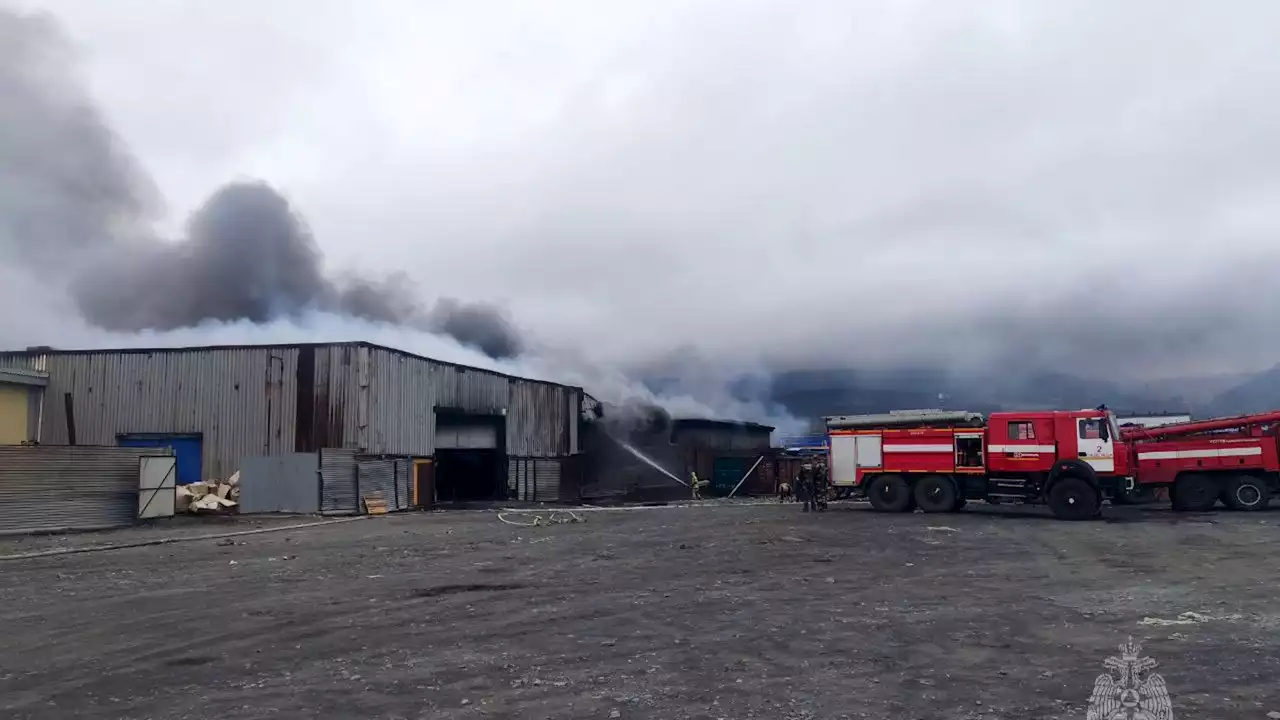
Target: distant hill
<point>1257,393</point>
<point>812,393</point>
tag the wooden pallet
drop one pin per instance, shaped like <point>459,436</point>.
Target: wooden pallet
<point>375,504</point>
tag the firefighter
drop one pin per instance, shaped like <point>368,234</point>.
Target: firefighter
<point>693,484</point>
<point>804,486</point>
<point>820,487</point>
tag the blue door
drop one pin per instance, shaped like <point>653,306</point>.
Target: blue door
<point>186,448</point>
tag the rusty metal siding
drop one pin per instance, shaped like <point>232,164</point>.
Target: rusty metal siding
<point>334,404</point>
<point>241,400</point>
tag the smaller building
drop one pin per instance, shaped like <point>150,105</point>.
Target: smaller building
<point>21,395</point>
<point>650,458</point>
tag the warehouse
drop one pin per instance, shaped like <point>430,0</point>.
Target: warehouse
<point>461,432</point>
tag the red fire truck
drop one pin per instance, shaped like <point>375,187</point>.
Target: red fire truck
<point>1232,459</point>
<point>936,460</point>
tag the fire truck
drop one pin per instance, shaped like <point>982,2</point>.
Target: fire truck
<point>1232,459</point>
<point>937,460</point>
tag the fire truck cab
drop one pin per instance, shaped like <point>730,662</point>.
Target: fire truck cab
<point>937,460</point>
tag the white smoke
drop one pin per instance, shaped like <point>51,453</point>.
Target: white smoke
<point>569,367</point>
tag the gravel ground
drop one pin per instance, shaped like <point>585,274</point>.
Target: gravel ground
<point>734,612</point>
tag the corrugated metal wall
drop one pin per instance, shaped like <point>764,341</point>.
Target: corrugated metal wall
<point>536,480</point>
<point>338,481</point>
<point>404,484</point>
<point>45,487</point>
<point>246,401</point>
<point>242,400</point>
<point>377,476</point>
<point>546,478</point>
<point>404,392</point>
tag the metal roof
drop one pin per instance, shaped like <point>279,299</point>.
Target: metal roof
<point>711,424</point>
<point>18,376</point>
<point>36,351</point>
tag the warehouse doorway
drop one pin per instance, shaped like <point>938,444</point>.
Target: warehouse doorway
<point>470,450</point>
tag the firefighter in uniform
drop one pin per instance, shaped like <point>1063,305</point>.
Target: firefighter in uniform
<point>693,484</point>
<point>820,488</point>
<point>804,486</point>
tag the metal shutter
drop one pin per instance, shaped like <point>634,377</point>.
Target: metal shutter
<point>338,479</point>
<point>377,476</point>
<point>546,477</point>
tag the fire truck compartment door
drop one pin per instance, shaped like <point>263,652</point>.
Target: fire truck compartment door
<point>869,451</point>
<point>844,460</point>
<point>850,452</point>
<point>1098,452</point>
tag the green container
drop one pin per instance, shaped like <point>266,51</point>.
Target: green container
<point>728,471</point>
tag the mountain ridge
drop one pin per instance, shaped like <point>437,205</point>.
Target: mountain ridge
<point>813,393</point>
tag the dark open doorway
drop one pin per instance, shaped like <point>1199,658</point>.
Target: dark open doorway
<point>470,461</point>
<point>469,475</point>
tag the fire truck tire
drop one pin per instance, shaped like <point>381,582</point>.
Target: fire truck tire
<point>1194,492</point>
<point>1071,498</point>
<point>1245,492</point>
<point>890,493</point>
<point>936,494</point>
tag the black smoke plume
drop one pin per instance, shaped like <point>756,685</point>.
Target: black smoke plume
<point>248,256</point>
<point>74,204</point>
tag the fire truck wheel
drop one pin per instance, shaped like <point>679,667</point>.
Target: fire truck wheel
<point>890,493</point>
<point>935,494</point>
<point>1072,498</point>
<point>1194,493</point>
<point>1247,493</point>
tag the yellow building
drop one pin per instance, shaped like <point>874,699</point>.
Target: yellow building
<point>21,399</point>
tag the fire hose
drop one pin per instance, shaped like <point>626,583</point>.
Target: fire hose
<point>555,517</point>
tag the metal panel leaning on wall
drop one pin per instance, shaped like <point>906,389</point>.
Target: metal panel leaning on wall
<point>51,487</point>
<point>404,483</point>
<point>377,476</point>
<point>338,482</point>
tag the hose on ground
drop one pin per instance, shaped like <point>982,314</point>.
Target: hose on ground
<point>555,517</point>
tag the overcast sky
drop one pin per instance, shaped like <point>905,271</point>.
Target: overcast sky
<point>805,183</point>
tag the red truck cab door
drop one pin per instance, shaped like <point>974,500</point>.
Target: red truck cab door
<point>1096,443</point>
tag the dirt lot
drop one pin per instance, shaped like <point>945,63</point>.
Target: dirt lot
<point>712,612</point>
